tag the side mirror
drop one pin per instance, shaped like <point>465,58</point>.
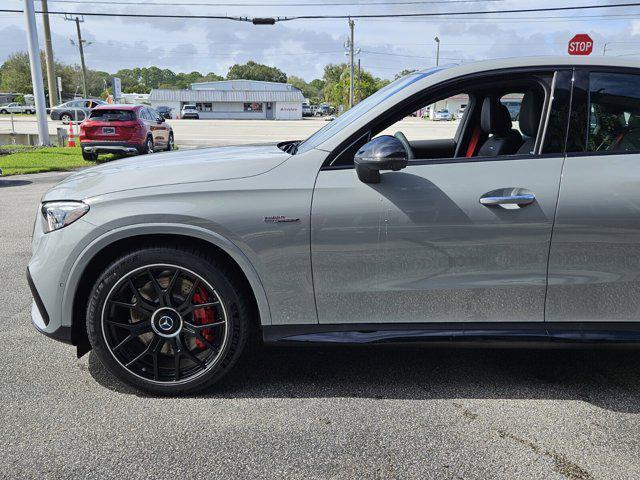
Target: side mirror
<point>381,153</point>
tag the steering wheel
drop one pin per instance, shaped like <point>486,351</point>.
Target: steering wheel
<point>405,143</point>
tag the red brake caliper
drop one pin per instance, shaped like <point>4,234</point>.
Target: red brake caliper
<point>203,316</point>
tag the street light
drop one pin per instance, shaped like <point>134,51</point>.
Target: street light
<point>437,51</point>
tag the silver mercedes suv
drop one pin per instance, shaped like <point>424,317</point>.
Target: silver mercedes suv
<point>506,232</point>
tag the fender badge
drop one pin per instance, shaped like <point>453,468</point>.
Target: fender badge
<point>280,219</point>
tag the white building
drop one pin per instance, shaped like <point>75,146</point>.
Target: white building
<point>235,99</point>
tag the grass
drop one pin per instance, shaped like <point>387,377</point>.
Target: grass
<point>18,159</point>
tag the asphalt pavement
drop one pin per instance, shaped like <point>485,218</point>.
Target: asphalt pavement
<point>308,412</point>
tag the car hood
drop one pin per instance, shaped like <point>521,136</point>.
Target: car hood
<point>220,163</point>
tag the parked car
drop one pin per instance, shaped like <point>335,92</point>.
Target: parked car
<point>124,129</point>
<point>514,109</point>
<point>441,115</point>
<point>460,113</point>
<point>75,110</point>
<point>164,111</point>
<point>167,267</point>
<point>189,111</point>
<point>307,111</point>
<point>325,109</point>
<point>15,107</point>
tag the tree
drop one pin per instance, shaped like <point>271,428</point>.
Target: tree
<point>16,74</point>
<point>311,91</point>
<point>336,90</point>
<point>404,72</point>
<point>256,71</point>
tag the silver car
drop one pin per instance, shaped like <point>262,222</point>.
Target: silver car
<point>167,266</point>
<point>74,111</point>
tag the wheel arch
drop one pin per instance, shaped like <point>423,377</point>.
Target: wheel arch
<point>103,251</point>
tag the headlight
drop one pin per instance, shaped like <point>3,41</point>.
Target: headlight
<point>60,214</point>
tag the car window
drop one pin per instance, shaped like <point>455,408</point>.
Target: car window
<point>513,102</point>
<point>361,108</point>
<point>115,115</point>
<point>614,112</point>
<point>431,122</point>
<point>155,116</point>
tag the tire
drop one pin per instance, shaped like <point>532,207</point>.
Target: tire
<point>4,112</point>
<point>90,157</point>
<point>66,118</point>
<point>147,148</point>
<point>169,143</point>
<point>155,371</point>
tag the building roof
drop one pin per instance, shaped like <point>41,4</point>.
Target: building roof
<point>161,95</point>
<point>249,85</point>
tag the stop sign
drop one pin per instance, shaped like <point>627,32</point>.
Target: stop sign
<point>581,44</point>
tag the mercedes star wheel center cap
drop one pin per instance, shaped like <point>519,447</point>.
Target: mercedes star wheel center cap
<point>166,322</point>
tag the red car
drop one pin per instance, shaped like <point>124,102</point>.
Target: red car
<point>126,129</point>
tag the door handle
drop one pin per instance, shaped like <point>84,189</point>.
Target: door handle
<point>508,198</point>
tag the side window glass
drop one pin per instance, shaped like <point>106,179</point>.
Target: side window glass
<point>614,113</point>
<point>513,101</point>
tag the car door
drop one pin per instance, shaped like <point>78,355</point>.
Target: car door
<point>158,127</point>
<point>420,247</point>
<point>146,117</point>
<point>594,264</point>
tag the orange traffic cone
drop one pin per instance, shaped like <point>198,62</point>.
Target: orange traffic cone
<point>72,138</point>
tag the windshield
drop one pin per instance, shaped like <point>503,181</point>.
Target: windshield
<point>112,115</point>
<point>361,108</point>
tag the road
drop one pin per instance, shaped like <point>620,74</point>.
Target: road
<point>308,413</point>
<point>203,133</point>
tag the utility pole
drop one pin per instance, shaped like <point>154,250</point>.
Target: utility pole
<point>359,94</point>
<point>36,72</point>
<point>351,51</point>
<point>437,51</point>
<point>81,42</point>
<point>48,52</point>
<point>351,25</point>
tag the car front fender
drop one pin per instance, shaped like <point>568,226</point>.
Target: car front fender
<point>128,231</point>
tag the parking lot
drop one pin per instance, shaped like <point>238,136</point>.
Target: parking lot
<point>308,413</point>
<point>212,133</point>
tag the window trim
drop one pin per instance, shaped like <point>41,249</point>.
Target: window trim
<point>441,88</point>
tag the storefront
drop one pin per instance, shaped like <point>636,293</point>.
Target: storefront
<point>235,99</point>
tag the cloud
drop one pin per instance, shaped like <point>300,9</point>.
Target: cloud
<point>303,47</point>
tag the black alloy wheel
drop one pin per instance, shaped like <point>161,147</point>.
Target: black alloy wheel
<point>167,327</point>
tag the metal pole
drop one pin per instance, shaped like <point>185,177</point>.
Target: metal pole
<point>351,24</point>
<point>359,94</point>
<point>36,72</point>
<point>604,49</point>
<point>82,65</point>
<point>48,51</point>
<point>437,51</point>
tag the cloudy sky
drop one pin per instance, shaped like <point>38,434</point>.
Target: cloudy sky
<point>303,47</point>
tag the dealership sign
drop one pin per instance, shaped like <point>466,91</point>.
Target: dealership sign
<point>581,44</point>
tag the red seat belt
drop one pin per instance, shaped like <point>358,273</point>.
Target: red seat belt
<point>473,143</point>
<point>619,139</point>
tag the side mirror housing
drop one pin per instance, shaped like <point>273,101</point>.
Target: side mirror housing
<point>381,153</point>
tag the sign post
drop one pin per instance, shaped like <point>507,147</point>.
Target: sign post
<point>581,44</point>
<point>117,90</point>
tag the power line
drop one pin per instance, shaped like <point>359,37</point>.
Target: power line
<point>306,4</point>
<point>362,16</point>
